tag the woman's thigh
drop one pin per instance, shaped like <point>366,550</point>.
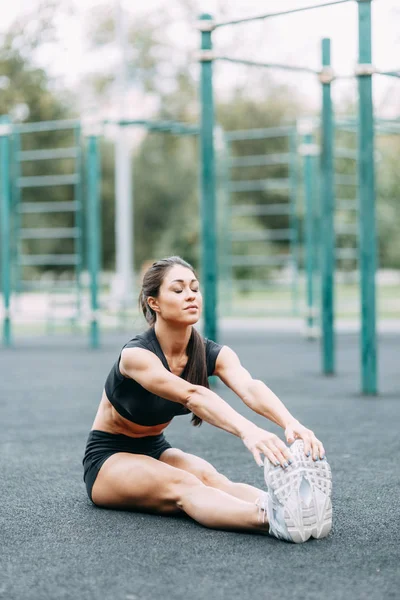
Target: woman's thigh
<point>136,481</point>
<point>195,465</point>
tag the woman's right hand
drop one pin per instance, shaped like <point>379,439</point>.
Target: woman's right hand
<point>259,441</point>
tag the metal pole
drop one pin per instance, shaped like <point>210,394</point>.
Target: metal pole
<point>208,204</point>
<point>294,222</point>
<point>367,224</point>
<point>309,150</point>
<point>93,237</point>
<point>327,212</point>
<point>5,191</point>
<point>124,230</point>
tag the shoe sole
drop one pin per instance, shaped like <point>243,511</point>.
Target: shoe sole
<point>316,492</point>
<point>285,484</point>
<point>304,491</point>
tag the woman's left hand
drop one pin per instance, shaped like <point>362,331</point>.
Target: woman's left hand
<point>295,430</point>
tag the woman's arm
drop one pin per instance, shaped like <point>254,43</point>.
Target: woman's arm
<point>146,368</point>
<point>263,401</point>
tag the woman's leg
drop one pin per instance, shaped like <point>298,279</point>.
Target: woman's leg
<point>209,474</point>
<point>139,482</point>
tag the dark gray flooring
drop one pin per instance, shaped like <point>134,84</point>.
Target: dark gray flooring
<point>54,544</point>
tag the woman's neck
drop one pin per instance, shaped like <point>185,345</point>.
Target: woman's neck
<point>173,340</point>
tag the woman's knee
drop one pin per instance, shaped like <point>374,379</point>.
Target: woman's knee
<point>185,484</point>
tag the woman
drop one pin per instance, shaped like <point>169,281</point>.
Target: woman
<point>162,373</point>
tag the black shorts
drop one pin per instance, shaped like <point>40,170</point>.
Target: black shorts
<point>100,445</point>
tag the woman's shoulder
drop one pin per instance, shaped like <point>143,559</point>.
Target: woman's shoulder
<point>143,339</point>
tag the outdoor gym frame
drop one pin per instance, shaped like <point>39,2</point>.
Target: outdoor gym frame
<point>366,182</point>
<point>92,131</point>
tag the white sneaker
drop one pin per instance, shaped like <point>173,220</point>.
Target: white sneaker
<point>315,491</point>
<point>298,503</point>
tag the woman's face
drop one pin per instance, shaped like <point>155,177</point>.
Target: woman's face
<point>179,292</point>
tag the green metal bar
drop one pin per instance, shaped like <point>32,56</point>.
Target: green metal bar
<point>258,134</point>
<point>390,73</point>
<point>366,172</point>
<point>259,185</point>
<point>17,193</point>
<point>260,260</point>
<point>48,207</point>
<point>32,155</point>
<point>260,209</point>
<point>279,14</point>
<point>175,128</point>
<point>294,221</point>
<point>93,221</point>
<point>47,181</point>
<point>36,127</point>
<point>260,160</point>
<point>48,260</point>
<point>78,199</point>
<point>327,229</point>
<point>37,233</point>
<point>224,228</point>
<point>208,204</point>
<point>346,153</point>
<point>266,235</point>
<point>252,63</point>
<point>5,190</point>
<point>308,141</point>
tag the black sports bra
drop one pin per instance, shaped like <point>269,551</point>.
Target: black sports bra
<point>133,401</point>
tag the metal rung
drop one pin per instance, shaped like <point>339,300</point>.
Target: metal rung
<point>258,134</point>
<point>351,253</point>
<point>259,260</point>
<point>347,204</point>
<point>37,233</point>
<point>48,126</point>
<point>259,185</point>
<point>28,155</point>
<point>260,160</point>
<point>346,180</point>
<point>250,284</point>
<point>50,259</point>
<point>265,236</point>
<point>346,228</point>
<point>48,286</point>
<point>48,180</point>
<point>49,207</point>
<point>261,209</point>
<point>345,153</point>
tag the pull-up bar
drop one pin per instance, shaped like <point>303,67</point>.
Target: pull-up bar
<point>278,14</point>
<point>251,63</point>
<point>368,250</point>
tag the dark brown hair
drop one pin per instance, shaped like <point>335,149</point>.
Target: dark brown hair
<point>196,368</point>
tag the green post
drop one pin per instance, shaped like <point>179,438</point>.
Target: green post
<point>294,221</point>
<point>367,224</point>
<point>327,215</point>
<point>5,191</point>
<point>93,223</point>
<point>309,150</point>
<point>207,177</point>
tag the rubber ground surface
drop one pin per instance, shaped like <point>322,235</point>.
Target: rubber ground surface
<point>54,544</point>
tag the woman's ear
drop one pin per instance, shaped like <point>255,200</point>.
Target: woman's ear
<point>152,302</point>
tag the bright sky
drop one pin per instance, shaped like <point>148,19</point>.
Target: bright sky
<point>293,39</point>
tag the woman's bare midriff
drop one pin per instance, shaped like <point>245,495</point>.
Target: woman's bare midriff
<point>109,420</point>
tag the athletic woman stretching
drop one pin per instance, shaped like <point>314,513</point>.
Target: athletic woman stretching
<point>162,373</point>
